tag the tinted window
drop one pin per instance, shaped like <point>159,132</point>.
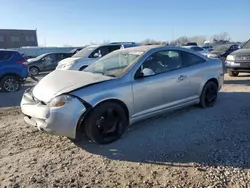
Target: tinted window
<point>104,50</point>
<point>61,56</point>
<point>191,59</point>
<point>197,49</point>
<point>5,55</point>
<point>113,48</point>
<point>163,61</point>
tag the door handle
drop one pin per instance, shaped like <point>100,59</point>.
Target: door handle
<point>182,77</point>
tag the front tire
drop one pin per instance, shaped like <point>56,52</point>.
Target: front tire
<point>106,123</point>
<point>233,73</point>
<point>10,84</point>
<point>209,95</point>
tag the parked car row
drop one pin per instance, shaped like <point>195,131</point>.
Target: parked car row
<point>14,67</point>
<point>120,88</point>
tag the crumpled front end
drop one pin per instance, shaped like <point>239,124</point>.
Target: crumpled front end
<point>60,121</point>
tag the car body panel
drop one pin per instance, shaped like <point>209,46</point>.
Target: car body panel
<point>52,119</point>
<point>143,97</point>
<point>12,67</point>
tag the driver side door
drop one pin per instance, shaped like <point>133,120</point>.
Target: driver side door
<point>165,89</point>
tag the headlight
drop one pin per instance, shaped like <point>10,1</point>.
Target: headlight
<point>230,58</point>
<point>61,100</point>
<point>212,56</point>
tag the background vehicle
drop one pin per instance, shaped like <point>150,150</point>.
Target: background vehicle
<point>13,70</point>
<point>207,47</point>
<point>239,60</point>
<point>224,50</point>
<point>190,44</point>
<point>32,52</point>
<point>46,62</point>
<point>196,48</point>
<point>90,54</point>
<point>123,87</point>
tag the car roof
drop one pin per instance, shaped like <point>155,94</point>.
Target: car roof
<point>4,50</point>
<point>146,48</point>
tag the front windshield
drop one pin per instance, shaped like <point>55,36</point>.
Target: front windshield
<point>85,51</point>
<point>114,64</point>
<point>221,48</point>
<point>246,45</point>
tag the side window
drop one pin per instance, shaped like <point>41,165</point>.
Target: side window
<point>5,55</point>
<point>59,57</point>
<point>113,48</point>
<point>102,52</point>
<point>50,59</point>
<point>163,61</point>
<point>191,59</point>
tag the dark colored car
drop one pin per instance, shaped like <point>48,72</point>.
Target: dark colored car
<point>190,44</point>
<point>224,50</point>
<point>46,62</point>
<point>13,70</point>
<point>239,60</point>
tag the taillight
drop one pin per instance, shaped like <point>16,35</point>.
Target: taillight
<point>22,62</point>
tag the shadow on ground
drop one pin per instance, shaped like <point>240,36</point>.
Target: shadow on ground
<point>213,136</point>
<point>245,82</point>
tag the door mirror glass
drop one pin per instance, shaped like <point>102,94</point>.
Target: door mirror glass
<point>147,72</point>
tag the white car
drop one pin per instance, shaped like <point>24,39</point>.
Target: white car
<point>90,54</point>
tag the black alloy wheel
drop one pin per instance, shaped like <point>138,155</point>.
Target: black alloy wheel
<point>106,123</point>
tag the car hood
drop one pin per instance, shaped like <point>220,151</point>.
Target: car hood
<point>32,60</point>
<point>71,59</point>
<point>63,81</point>
<point>241,52</point>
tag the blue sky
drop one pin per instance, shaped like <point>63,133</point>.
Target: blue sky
<point>79,22</point>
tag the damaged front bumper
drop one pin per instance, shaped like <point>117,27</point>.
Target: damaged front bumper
<point>60,121</point>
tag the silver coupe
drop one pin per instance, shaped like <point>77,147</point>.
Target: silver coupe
<point>121,88</point>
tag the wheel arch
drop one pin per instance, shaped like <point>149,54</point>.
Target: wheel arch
<point>117,101</point>
<point>9,74</point>
<point>89,109</point>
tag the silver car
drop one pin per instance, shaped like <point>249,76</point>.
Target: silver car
<point>121,88</point>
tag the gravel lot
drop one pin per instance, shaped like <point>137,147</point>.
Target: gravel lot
<point>192,147</point>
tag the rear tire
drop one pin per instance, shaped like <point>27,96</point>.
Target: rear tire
<point>233,73</point>
<point>34,71</point>
<point>10,83</point>
<point>102,129</point>
<point>209,95</point>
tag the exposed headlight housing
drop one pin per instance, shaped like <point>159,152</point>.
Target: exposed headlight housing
<point>60,101</point>
<point>230,58</point>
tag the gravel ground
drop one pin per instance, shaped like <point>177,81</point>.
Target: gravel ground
<point>192,147</point>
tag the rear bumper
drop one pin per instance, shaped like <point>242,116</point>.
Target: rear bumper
<point>60,121</point>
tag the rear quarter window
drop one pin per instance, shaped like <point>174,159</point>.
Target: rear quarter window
<point>4,55</point>
<point>190,59</point>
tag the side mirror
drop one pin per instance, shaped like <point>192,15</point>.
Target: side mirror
<point>147,72</point>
